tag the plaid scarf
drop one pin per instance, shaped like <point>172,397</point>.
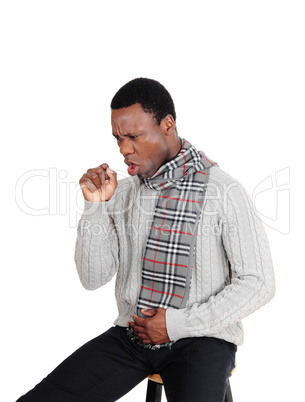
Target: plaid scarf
<point>168,259</point>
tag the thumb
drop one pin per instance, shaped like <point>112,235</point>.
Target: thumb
<point>149,312</point>
<point>112,176</point>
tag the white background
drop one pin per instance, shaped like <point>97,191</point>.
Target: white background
<point>235,70</point>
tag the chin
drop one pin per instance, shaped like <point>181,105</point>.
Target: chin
<point>144,175</point>
<point>147,174</point>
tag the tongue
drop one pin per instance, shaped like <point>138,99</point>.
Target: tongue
<point>132,169</point>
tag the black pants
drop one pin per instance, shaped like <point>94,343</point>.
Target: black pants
<point>107,367</point>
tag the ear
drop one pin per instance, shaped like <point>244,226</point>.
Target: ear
<point>168,125</point>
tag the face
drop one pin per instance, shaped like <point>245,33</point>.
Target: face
<point>144,145</point>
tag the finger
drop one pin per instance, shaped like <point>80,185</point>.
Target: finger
<point>112,176</point>
<point>141,335</point>
<point>146,341</point>
<point>94,177</point>
<point>100,170</point>
<point>138,320</point>
<point>105,177</point>
<point>87,183</point>
<point>104,166</point>
<point>131,325</point>
<point>149,312</point>
<point>100,173</point>
<point>139,330</point>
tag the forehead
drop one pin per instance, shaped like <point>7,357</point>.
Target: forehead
<point>131,118</point>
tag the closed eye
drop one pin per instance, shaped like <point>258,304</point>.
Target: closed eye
<point>116,137</point>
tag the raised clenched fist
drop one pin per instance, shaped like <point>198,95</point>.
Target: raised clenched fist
<point>99,184</point>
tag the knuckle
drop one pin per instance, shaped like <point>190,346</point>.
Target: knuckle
<point>83,180</point>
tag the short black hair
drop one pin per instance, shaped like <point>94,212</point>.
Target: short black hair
<point>153,97</point>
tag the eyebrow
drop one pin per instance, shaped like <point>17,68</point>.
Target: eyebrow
<point>124,135</point>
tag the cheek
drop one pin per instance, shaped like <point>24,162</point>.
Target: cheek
<point>151,151</point>
<point>153,157</point>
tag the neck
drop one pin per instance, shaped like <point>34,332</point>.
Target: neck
<point>175,150</point>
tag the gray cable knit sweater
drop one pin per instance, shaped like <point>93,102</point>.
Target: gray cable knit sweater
<point>111,239</point>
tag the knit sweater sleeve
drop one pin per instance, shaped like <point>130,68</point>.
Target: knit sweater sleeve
<point>96,251</point>
<point>252,284</point>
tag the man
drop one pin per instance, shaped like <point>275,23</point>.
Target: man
<point>190,255</point>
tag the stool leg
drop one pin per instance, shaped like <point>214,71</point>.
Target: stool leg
<point>154,391</point>
<point>228,397</point>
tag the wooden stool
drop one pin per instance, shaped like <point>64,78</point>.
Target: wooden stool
<point>154,389</point>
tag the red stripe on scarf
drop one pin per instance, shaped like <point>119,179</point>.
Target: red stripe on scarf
<point>160,291</point>
<point>169,230</point>
<point>165,263</point>
<point>178,199</point>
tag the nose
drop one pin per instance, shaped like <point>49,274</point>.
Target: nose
<point>126,146</point>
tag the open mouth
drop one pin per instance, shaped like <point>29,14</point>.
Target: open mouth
<point>132,169</point>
